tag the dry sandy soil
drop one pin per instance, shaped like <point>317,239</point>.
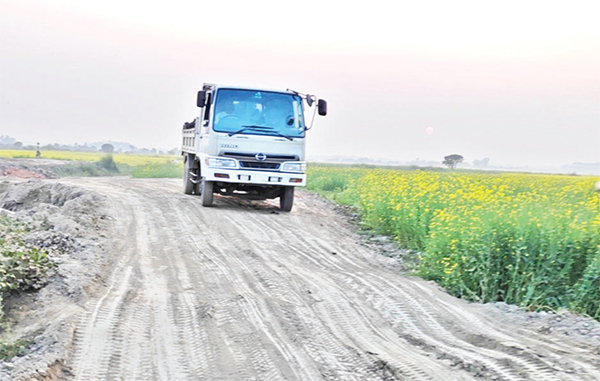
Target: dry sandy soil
<point>152,286</point>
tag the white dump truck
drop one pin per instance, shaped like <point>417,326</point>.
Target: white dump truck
<point>248,143</point>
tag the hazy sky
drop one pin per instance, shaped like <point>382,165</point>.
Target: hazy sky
<point>515,81</point>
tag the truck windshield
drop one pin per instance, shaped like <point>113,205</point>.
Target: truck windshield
<point>254,112</point>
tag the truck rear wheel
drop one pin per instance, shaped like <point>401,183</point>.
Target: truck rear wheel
<point>206,192</point>
<point>286,200</point>
<point>189,166</point>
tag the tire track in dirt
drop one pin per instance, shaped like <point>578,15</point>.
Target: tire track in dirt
<point>339,318</point>
<point>344,361</point>
<point>239,291</point>
<point>336,358</point>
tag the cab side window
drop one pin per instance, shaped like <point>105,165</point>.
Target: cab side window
<point>207,107</point>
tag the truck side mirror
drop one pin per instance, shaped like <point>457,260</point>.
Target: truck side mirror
<point>201,100</point>
<point>322,107</point>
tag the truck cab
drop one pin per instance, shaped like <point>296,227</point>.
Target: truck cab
<point>247,142</point>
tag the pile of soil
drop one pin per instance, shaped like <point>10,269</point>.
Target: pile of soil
<point>21,173</point>
<point>67,223</point>
<point>22,168</point>
<point>31,168</point>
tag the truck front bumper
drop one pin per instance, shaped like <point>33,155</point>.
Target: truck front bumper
<point>266,178</point>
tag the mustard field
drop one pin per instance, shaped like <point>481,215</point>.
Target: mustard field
<point>526,239</point>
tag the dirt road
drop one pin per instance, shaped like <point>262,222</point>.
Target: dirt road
<point>240,291</point>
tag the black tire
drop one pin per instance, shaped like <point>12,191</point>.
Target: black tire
<point>206,192</point>
<point>286,200</point>
<point>188,186</point>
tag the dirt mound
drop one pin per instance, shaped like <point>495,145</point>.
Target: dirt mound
<point>67,223</point>
<point>21,173</point>
<point>30,194</point>
<point>24,168</point>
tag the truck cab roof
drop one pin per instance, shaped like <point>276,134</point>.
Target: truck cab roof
<point>212,86</point>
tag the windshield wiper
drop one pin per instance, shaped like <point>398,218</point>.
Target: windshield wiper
<point>260,128</point>
<point>282,135</point>
<point>251,127</point>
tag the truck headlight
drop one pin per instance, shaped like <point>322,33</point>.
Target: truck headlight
<point>294,166</point>
<point>221,162</point>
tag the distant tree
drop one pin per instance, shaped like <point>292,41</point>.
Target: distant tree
<point>452,160</point>
<point>18,145</point>
<point>107,148</point>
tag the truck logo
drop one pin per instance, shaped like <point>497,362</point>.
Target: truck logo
<point>229,146</point>
<point>260,157</point>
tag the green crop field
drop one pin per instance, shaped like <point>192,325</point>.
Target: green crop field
<point>120,158</point>
<point>526,239</point>
<point>136,165</point>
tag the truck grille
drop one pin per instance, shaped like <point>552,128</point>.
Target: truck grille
<point>259,165</point>
<point>251,156</point>
<point>248,160</point>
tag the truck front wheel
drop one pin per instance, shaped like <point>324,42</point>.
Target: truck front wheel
<point>206,192</point>
<point>286,200</point>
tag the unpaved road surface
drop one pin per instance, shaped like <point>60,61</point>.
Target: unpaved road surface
<point>240,291</point>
